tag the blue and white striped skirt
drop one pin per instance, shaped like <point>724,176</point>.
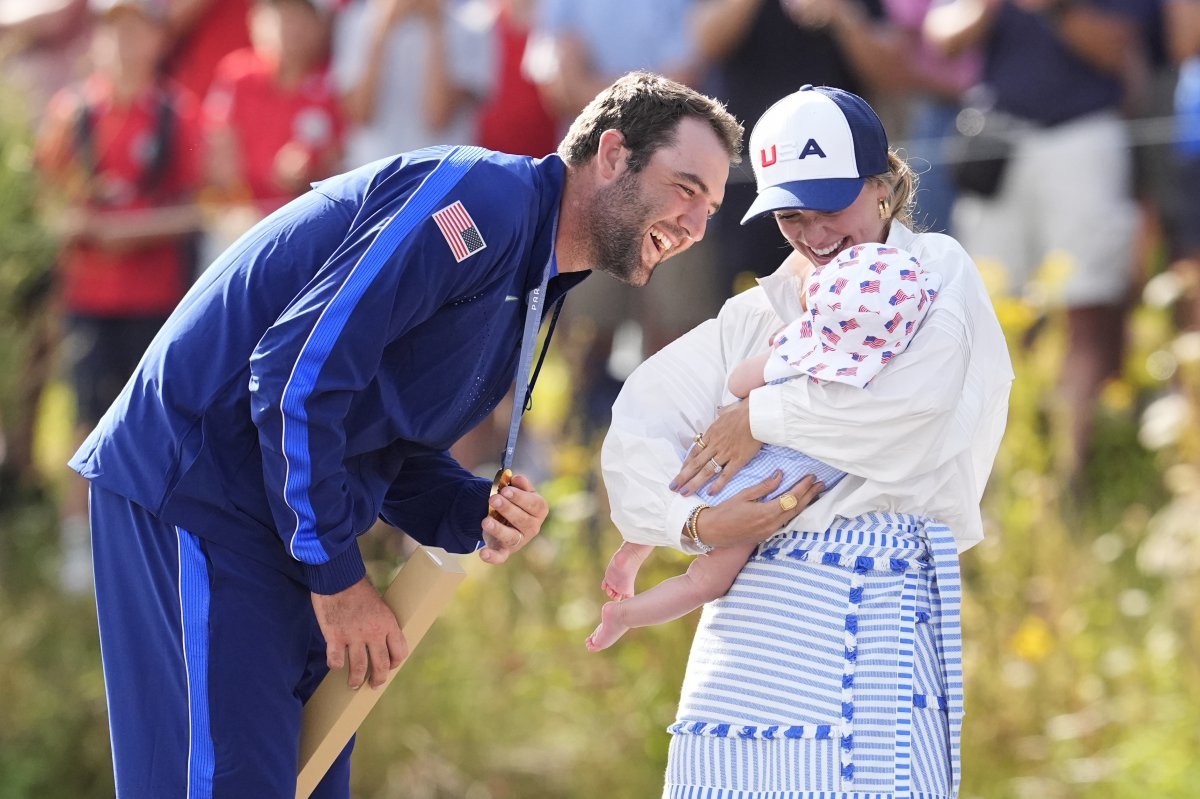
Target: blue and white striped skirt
<point>831,670</point>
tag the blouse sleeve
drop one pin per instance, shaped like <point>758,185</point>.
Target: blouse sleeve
<point>666,401</point>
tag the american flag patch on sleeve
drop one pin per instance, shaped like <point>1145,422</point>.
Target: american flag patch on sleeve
<point>460,231</point>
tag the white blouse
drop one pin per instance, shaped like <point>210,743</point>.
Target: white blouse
<point>920,439</point>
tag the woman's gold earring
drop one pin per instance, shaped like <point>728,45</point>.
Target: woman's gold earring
<point>885,209</point>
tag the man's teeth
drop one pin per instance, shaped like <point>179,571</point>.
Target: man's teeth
<point>663,244</point>
<point>828,251</point>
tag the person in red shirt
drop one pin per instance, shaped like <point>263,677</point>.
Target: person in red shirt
<point>514,119</point>
<point>120,152</point>
<point>272,120</point>
<point>203,32</point>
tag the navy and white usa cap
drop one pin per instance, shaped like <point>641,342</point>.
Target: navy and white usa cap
<point>813,150</point>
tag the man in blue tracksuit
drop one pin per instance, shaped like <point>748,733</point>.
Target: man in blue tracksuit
<point>311,382</point>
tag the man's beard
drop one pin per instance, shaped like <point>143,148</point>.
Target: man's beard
<point>617,227</point>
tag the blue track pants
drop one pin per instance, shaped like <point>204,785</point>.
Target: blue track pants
<point>208,659</point>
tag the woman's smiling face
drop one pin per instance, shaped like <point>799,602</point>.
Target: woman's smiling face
<point>819,236</point>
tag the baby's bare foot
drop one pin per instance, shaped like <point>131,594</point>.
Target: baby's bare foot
<point>610,630</point>
<point>614,593</point>
<point>621,574</point>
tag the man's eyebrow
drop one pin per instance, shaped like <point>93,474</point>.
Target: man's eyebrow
<point>693,178</point>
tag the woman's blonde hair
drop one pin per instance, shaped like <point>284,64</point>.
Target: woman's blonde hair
<point>902,181</point>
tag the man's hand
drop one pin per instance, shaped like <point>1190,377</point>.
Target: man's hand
<point>293,163</point>
<point>356,621</point>
<point>524,510</point>
<point>728,446</point>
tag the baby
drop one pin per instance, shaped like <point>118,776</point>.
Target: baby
<point>861,310</point>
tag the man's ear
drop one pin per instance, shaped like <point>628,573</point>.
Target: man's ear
<point>612,155</point>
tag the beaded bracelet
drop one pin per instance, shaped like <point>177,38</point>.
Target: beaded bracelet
<point>693,529</point>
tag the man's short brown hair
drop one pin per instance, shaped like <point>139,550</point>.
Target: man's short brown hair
<point>646,109</point>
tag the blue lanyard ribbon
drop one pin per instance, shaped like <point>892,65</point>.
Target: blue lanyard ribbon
<point>533,321</point>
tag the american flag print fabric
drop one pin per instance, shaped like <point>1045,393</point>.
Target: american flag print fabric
<point>460,231</point>
<point>868,300</point>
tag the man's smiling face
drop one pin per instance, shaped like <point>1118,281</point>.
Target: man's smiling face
<point>643,218</point>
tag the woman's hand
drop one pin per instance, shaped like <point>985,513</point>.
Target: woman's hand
<point>745,519</point>
<point>726,446</point>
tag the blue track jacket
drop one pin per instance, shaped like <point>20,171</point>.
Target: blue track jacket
<point>305,387</point>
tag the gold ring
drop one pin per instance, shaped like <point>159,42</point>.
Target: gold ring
<point>698,439</point>
<point>716,467</point>
<point>788,501</point>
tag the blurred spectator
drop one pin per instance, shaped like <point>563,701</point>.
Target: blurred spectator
<point>937,85</point>
<point>1053,77</point>
<point>411,73</point>
<point>272,119</point>
<point>202,33</point>
<point>576,48</point>
<point>1149,83</point>
<point>764,53</point>
<point>514,119</point>
<point>121,150</point>
<point>42,47</point>
<point>1183,26</point>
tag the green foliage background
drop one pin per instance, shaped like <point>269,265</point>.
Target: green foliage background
<point>1082,630</point>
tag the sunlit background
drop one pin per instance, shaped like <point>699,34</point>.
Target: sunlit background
<point>1082,610</point>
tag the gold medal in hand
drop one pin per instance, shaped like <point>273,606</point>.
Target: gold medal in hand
<point>503,480</point>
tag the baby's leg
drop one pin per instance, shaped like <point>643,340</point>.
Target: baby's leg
<point>707,578</point>
<point>622,570</point>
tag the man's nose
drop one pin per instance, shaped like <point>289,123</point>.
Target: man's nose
<point>695,223</point>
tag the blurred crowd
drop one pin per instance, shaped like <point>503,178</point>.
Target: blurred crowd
<point>1058,140</point>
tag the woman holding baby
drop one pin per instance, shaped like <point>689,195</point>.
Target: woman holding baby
<point>832,664</point>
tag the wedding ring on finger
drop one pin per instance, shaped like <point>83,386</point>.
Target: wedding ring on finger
<point>788,502</point>
<point>716,467</point>
<point>698,440</point>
